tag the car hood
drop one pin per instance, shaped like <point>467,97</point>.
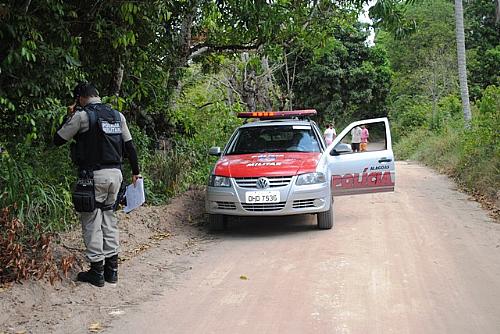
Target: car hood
<point>267,164</point>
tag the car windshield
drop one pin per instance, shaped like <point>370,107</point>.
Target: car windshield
<point>290,138</point>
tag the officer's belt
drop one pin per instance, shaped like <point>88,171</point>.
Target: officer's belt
<point>99,167</point>
<point>104,207</point>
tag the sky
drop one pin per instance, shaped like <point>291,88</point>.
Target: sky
<point>363,17</point>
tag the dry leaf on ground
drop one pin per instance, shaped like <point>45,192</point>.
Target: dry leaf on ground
<point>95,327</point>
<point>160,236</point>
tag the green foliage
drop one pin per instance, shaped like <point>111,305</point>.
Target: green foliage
<point>484,131</point>
<point>471,156</point>
<point>39,193</point>
<point>391,16</point>
<point>407,114</point>
<point>344,80</point>
<point>140,54</point>
<point>407,146</point>
<point>483,45</point>
<point>483,67</point>
<point>201,109</point>
<point>164,175</point>
<point>47,46</point>
<point>480,27</point>
<point>424,61</point>
<point>425,109</point>
<point>490,102</point>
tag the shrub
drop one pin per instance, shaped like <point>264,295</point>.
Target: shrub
<point>164,175</point>
<point>408,145</point>
<point>408,113</point>
<point>38,193</point>
<point>471,156</point>
<point>26,253</point>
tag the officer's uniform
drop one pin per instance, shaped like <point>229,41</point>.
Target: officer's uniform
<point>100,231</point>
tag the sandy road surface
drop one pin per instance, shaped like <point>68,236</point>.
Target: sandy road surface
<point>424,259</point>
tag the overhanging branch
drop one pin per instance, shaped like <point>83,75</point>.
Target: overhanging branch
<point>199,49</point>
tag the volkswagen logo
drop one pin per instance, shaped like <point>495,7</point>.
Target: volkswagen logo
<point>262,183</point>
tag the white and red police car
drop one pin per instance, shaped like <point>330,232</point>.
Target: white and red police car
<point>280,165</point>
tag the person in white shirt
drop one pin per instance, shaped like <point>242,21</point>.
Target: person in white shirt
<point>329,134</point>
<point>356,138</point>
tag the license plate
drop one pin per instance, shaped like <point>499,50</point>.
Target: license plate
<point>262,196</point>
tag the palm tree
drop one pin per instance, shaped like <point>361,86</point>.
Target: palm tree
<point>462,68</point>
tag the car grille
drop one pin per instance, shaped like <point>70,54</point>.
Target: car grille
<point>226,205</point>
<point>303,203</point>
<point>274,181</point>
<point>263,206</point>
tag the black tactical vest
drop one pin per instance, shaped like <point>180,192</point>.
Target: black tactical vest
<point>102,145</point>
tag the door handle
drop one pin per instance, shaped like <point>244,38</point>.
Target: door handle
<point>384,160</point>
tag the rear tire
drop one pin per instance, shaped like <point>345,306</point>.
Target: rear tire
<point>217,222</point>
<point>326,218</point>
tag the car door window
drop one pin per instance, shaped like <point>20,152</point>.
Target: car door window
<point>363,138</point>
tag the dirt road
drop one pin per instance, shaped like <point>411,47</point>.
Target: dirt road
<point>424,259</point>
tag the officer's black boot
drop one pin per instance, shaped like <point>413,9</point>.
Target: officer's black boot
<point>95,275</point>
<point>111,269</point>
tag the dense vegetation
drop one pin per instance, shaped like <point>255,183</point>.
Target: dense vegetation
<point>424,103</point>
<point>181,70</point>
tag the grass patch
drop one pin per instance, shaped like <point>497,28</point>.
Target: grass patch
<point>456,152</point>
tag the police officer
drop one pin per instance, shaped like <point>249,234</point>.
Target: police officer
<point>101,139</point>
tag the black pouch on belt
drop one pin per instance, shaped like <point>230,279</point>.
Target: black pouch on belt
<point>121,199</point>
<point>84,194</point>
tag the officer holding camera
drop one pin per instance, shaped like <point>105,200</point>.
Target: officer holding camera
<point>101,140</point>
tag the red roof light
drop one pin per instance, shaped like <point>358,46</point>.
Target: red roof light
<point>277,114</point>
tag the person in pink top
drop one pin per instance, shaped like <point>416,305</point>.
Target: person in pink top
<point>364,138</point>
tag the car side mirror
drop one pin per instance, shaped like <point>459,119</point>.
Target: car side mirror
<point>341,148</point>
<point>215,151</point>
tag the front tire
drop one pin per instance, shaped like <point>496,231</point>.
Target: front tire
<point>217,222</point>
<point>326,218</point>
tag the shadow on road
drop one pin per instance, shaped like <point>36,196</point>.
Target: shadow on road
<point>264,227</point>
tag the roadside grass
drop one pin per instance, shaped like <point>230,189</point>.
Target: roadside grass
<point>455,151</point>
<point>471,155</point>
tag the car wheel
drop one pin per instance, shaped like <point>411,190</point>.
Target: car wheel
<point>217,222</point>
<point>325,219</point>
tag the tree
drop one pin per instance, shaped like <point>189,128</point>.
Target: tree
<point>462,66</point>
<point>482,36</point>
<point>423,61</point>
<point>344,79</point>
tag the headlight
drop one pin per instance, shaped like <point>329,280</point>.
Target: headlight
<point>219,181</point>
<point>310,178</point>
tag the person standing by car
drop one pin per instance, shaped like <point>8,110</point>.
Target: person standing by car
<point>102,136</point>
<point>355,138</point>
<point>329,134</point>
<point>364,138</point>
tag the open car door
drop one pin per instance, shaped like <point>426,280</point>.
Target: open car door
<point>358,166</point>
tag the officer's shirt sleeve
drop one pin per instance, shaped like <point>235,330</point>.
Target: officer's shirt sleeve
<point>126,136</point>
<point>71,127</point>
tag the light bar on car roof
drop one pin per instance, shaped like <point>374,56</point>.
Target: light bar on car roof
<point>277,114</point>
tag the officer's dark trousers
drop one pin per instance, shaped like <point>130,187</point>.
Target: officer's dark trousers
<point>100,228</point>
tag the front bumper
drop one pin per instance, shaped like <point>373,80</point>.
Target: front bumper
<point>293,200</point>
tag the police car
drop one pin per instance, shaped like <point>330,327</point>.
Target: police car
<point>280,165</point>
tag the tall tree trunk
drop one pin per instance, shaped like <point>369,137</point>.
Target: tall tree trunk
<point>462,68</point>
<point>248,86</point>
<point>267,83</point>
<point>497,11</point>
<point>289,93</point>
<point>116,81</point>
<point>26,6</point>
<point>182,56</point>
